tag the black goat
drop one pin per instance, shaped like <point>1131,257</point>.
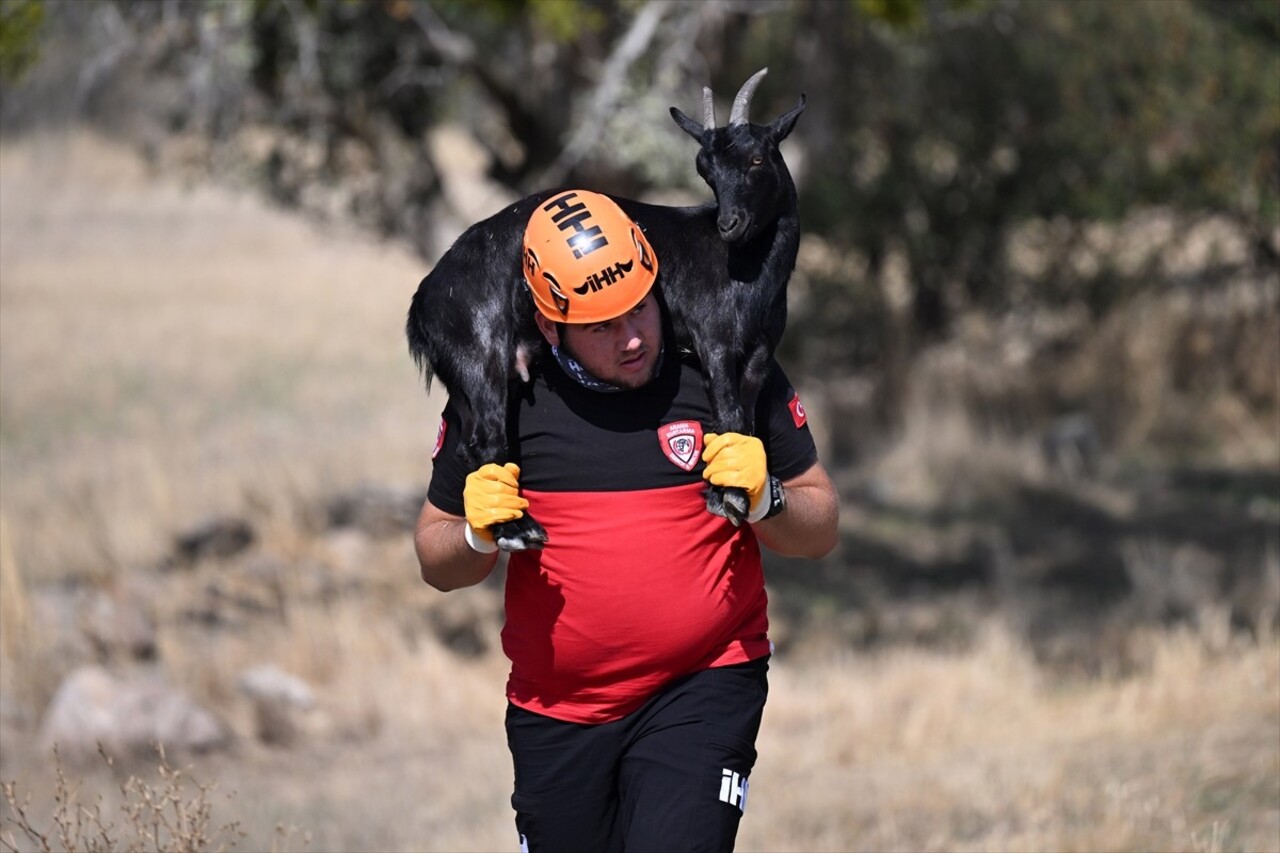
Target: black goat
<point>723,275</point>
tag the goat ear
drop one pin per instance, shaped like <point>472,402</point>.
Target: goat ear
<point>781,127</point>
<point>687,124</point>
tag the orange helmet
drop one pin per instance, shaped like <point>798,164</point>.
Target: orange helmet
<point>585,261</point>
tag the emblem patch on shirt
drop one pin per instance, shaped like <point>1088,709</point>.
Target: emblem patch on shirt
<point>797,411</point>
<point>440,438</point>
<point>682,442</point>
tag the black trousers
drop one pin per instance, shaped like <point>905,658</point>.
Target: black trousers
<point>671,776</point>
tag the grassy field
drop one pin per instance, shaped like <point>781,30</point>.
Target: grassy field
<point>171,353</point>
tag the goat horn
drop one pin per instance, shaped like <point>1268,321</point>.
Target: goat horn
<point>708,109</point>
<point>743,101</point>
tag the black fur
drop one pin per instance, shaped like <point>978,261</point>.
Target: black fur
<point>723,270</point>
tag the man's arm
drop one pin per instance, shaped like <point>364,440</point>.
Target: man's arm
<point>446,560</point>
<point>808,527</point>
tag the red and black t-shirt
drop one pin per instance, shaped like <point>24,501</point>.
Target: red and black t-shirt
<point>638,583</point>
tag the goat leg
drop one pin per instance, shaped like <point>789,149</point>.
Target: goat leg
<point>737,415</point>
<point>727,415</point>
<point>489,444</point>
<point>523,534</point>
<point>728,502</point>
<point>735,504</point>
<point>717,353</point>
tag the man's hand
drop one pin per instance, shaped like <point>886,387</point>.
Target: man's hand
<point>491,496</point>
<point>737,461</point>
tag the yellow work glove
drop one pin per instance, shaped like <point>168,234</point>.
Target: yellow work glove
<point>738,461</point>
<point>491,496</point>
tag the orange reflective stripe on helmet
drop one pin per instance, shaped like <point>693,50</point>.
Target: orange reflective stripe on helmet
<point>585,261</point>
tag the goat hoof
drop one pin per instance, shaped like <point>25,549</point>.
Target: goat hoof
<point>736,505</point>
<point>522,534</point>
<point>727,503</point>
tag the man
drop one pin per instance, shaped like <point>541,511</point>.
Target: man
<point>637,635</point>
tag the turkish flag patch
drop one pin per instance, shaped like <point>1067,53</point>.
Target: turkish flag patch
<point>444,427</point>
<point>797,411</point>
<point>682,442</point>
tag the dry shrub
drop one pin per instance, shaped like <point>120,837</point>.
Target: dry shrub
<point>1192,370</point>
<point>981,749</point>
<point>30,663</point>
<point>167,817</point>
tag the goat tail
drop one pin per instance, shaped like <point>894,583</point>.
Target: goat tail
<point>424,367</point>
<point>418,340</point>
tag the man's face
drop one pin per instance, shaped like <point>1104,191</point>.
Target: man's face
<point>622,351</point>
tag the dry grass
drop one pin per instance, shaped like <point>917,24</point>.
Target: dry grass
<point>192,354</point>
<point>170,353</point>
<point>916,750</point>
<point>171,817</point>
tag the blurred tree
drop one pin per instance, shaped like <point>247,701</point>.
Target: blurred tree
<point>1255,18</point>
<point>20,22</point>
<point>941,134</point>
<point>936,129</point>
<point>535,83</point>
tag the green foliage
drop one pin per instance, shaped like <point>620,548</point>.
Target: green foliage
<point>900,13</point>
<point>563,21</point>
<point>568,20</point>
<point>908,13</point>
<point>1258,19</point>
<point>20,24</point>
<point>1160,104</point>
<point>948,135</point>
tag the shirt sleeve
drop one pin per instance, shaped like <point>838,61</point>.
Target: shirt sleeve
<point>783,426</point>
<point>448,473</point>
